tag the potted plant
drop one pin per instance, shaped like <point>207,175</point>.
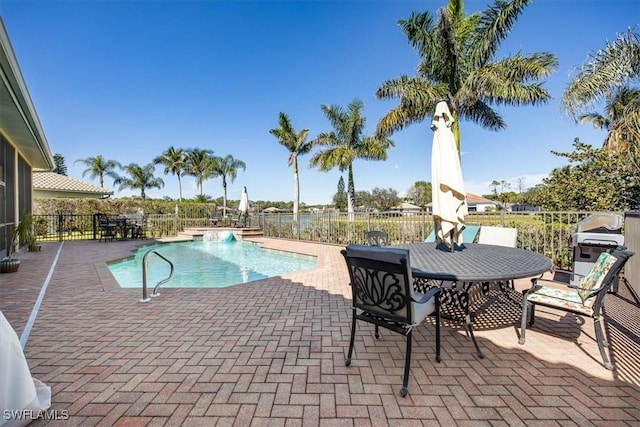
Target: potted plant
<point>22,233</point>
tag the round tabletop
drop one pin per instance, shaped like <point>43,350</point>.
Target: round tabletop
<point>474,262</point>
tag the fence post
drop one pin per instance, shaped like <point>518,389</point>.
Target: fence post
<point>279,226</point>
<point>60,227</point>
<point>175,221</point>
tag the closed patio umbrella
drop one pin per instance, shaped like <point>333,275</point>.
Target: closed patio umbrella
<point>449,200</point>
<point>243,207</point>
<point>244,201</point>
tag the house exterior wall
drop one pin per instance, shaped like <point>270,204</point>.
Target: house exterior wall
<point>53,194</point>
<point>15,191</point>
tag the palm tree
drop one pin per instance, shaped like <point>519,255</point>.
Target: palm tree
<point>607,76</point>
<point>174,162</point>
<point>141,178</point>
<point>226,167</point>
<point>457,64</point>
<point>99,167</point>
<point>198,164</point>
<point>621,103</point>
<point>297,144</point>
<point>345,143</point>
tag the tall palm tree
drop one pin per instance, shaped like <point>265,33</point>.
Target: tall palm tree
<point>226,167</point>
<point>457,64</point>
<point>198,164</point>
<point>174,162</point>
<point>608,75</point>
<point>141,178</point>
<point>297,144</point>
<point>346,143</point>
<point>99,167</point>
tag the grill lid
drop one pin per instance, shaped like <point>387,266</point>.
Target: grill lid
<point>601,223</point>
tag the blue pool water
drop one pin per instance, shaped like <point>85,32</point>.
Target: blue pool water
<point>207,264</point>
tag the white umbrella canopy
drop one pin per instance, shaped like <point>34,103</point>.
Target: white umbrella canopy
<point>449,200</point>
<point>244,201</point>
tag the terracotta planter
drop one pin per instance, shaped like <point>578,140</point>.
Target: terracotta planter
<point>9,265</point>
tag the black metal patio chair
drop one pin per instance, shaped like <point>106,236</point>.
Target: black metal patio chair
<point>106,227</point>
<point>585,300</point>
<point>383,295</point>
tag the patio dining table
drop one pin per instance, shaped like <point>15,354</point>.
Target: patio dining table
<point>470,266</point>
<point>124,227</point>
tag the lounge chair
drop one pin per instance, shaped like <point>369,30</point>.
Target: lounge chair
<point>501,236</point>
<point>383,295</point>
<point>469,234</point>
<point>376,238</point>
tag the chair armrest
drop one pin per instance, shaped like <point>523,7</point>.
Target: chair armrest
<point>426,297</point>
<point>568,285</point>
<point>535,281</point>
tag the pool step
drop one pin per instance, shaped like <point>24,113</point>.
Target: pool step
<point>197,233</point>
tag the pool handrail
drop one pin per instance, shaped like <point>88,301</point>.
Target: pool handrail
<point>145,297</point>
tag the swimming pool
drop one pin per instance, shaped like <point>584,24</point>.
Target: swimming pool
<point>207,264</point>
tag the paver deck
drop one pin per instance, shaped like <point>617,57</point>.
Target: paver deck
<point>271,352</point>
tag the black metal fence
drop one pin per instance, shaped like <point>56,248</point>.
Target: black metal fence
<point>63,226</point>
<point>548,233</point>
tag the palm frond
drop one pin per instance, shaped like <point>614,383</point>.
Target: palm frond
<point>397,119</point>
<point>481,113</point>
<point>418,98</point>
<point>505,82</point>
<point>493,26</point>
<point>616,65</point>
<point>339,156</point>
<point>417,28</point>
<point>598,120</point>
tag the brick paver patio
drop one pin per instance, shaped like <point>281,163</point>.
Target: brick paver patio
<point>272,352</point>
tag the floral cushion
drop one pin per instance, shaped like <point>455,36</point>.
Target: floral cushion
<point>567,299</point>
<point>593,280</point>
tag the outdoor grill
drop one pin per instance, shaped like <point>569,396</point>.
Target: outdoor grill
<point>595,234</point>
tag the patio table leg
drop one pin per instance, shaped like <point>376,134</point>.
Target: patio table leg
<point>468,325</point>
<point>456,297</point>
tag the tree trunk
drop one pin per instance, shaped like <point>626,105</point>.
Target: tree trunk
<point>351,195</point>
<point>296,189</point>
<point>224,196</point>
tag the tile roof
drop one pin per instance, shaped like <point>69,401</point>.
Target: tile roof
<point>474,198</point>
<point>57,182</point>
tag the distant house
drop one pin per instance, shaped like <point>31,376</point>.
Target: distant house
<point>52,185</point>
<point>480,204</point>
<point>475,203</point>
<point>525,208</point>
<point>23,145</point>
<point>407,208</point>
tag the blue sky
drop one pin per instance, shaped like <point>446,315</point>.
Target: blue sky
<point>128,79</point>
